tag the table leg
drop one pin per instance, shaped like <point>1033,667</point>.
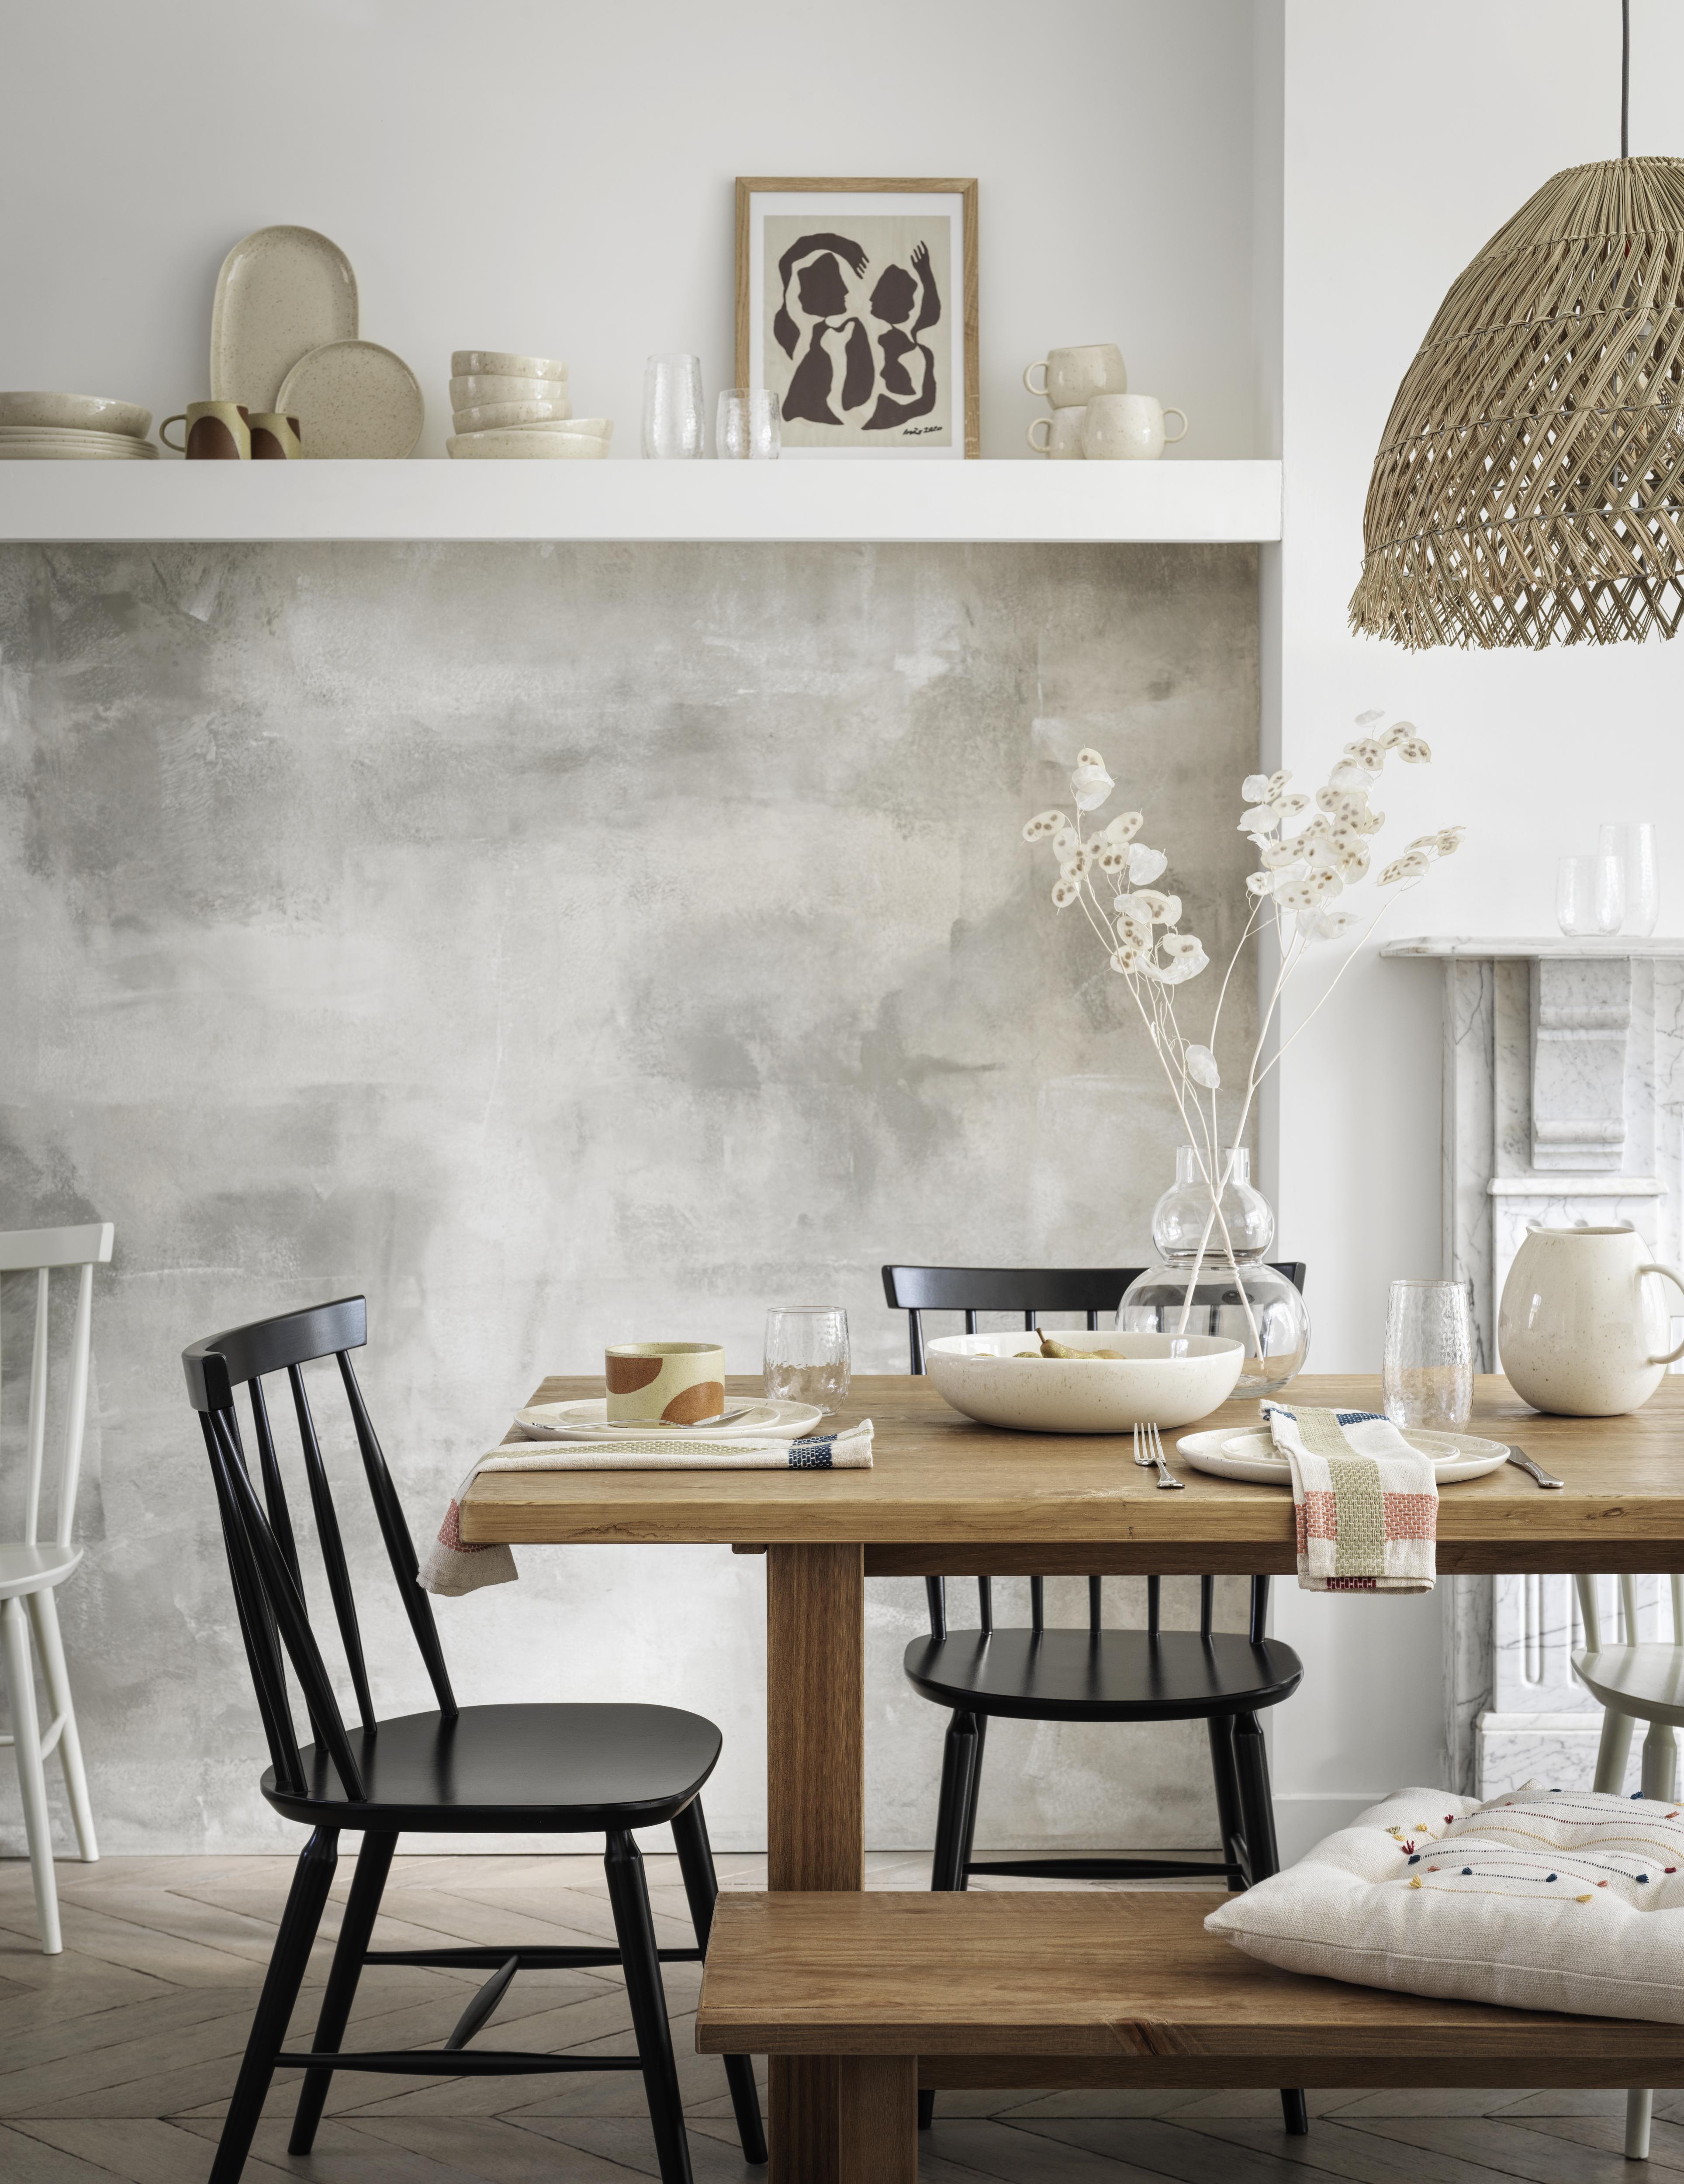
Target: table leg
<point>815,1690</point>
<point>879,2119</point>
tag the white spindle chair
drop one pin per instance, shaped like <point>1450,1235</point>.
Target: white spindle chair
<point>1636,1681</point>
<point>31,1568</point>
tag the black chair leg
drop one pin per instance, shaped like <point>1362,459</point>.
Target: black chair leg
<point>701,1888</point>
<point>635,1930</point>
<point>305,1900</point>
<point>1263,1855</point>
<point>374,1863</point>
<point>955,1827</point>
<point>1229,1814</point>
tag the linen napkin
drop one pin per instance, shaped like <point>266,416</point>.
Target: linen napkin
<point>452,1565</point>
<point>1366,1502</point>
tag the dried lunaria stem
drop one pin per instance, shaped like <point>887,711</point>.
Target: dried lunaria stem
<point>1311,853</point>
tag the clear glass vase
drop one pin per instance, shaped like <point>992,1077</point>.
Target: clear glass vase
<point>1205,1281</point>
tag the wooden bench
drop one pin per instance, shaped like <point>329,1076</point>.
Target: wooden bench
<point>1114,1987</point>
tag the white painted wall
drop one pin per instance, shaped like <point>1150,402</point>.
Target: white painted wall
<point>1407,143</point>
<point>557,179</point>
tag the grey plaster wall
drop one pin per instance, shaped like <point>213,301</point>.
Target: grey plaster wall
<point>564,945</point>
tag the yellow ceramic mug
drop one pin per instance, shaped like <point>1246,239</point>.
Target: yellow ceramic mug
<point>275,437</point>
<point>679,1383</point>
<point>217,432</point>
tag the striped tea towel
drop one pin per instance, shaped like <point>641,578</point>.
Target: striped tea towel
<point>1366,1502</point>
<point>453,1566</point>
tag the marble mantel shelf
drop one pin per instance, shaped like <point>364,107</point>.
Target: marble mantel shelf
<point>1551,947</point>
<point>1025,502</point>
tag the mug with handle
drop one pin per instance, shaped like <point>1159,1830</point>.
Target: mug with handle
<point>217,432</point>
<point>1129,428</point>
<point>1071,377</point>
<point>1063,441</point>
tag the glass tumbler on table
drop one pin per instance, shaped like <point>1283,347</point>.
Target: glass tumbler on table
<point>1428,1379</point>
<point>806,1356</point>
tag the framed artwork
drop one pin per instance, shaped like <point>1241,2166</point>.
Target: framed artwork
<point>856,305</point>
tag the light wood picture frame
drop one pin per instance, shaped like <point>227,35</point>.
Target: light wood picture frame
<point>856,302</point>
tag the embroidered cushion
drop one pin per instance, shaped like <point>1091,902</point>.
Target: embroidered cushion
<point>1540,1900</point>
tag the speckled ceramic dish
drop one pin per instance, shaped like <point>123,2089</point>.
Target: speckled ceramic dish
<point>496,416</point>
<point>1169,1378</point>
<point>281,292</point>
<point>473,390</point>
<point>529,443</point>
<point>354,399</point>
<point>599,428</point>
<point>47,443</point>
<point>83,412</point>
<point>465,363</point>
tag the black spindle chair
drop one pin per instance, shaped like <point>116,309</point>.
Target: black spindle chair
<point>1221,1677</point>
<point>548,1768</point>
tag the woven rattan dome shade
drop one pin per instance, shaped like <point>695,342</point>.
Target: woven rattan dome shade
<point>1530,485</point>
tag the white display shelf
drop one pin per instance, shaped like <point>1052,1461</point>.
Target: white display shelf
<point>1550,947</point>
<point>1166,503</point>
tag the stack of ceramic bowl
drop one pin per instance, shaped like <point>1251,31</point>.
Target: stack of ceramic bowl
<point>516,407</point>
<point>73,428</point>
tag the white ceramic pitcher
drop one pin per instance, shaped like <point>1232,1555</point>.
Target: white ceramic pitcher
<point>1580,1331</point>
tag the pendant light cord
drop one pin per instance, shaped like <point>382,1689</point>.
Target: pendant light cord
<point>1625,79</point>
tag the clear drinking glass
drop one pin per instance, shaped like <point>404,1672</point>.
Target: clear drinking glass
<point>1428,1374</point>
<point>1590,896</point>
<point>748,425</point>
<point>806,1356</point>
<point>1633,842</point>
<point>673,407</point>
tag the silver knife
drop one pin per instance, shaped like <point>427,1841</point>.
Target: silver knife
<point>1519,1456</point>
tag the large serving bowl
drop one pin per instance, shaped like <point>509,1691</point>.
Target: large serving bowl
<point>1170,1379</point>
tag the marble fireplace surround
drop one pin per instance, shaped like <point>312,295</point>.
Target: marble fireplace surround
<point>1563,1101</point>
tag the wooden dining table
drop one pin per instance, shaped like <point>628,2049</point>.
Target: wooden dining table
<point>947,1496</point>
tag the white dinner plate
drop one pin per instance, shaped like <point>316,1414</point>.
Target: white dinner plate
<point>1250,1456</point>
<point>762,1418</point>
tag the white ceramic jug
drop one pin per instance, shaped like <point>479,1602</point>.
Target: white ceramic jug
<point>1580,1330</point>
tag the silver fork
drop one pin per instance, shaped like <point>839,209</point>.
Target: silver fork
<point>1153,1447</point>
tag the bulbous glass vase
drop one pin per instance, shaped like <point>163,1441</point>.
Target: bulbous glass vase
<point>1206,1283</point>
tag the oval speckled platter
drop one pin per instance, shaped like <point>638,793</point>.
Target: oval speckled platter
<point>281,292</point>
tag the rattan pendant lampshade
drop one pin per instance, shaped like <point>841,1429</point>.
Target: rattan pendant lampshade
<point>1530,485</point>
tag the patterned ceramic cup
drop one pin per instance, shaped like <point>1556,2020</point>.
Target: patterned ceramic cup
<point>680,1383</point>
<point>275,438</point>
<point>217,432</point>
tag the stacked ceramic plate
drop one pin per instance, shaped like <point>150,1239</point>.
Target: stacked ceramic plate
<point>508,407</point>
<point>73,428</point>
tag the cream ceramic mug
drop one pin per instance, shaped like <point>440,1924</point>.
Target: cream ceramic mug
<point>1071,377</point>
<point>677,1383</point>
<point>1129,428</point>
<point>1063,441</point>
<point>1580,1331</point>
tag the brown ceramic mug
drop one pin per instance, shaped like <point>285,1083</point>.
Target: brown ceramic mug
<point>217,432</point>
<point>275,438</point>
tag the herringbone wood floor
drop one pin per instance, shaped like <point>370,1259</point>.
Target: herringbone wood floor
<point>116,2057</point>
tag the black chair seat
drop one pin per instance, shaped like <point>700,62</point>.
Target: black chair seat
<point>1103,1675</point>
<point>570,1768</point>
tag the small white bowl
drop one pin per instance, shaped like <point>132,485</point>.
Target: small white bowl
<point>529,443</point>
<point>85,413</point>
<point>473,390</point>
<point>465,363</point>
<point>1169,1379</point>
<point>494,416</point>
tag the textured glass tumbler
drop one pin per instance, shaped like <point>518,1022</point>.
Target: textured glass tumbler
<point>1428,1374</point>
<point>749,426</point>
<point>806,1356</point>
<point>1590,896</point>
<point>1633,842</point>
<point>673,407</point>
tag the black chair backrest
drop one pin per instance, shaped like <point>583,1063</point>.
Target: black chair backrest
<point>263,1555</point>
<point>1032,1290</point>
